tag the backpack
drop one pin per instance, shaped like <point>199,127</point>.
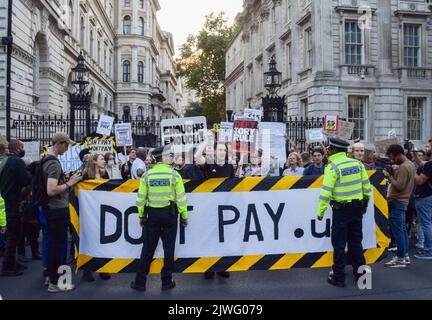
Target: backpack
<point>39,181</point>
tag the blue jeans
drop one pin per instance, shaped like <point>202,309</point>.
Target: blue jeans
<point>2,241</point>
<point>424,212</point>
<point>397,217</point>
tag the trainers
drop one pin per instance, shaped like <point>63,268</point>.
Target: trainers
<point>168,286</point>
<point>392,249</point>
<point>47,282</point>
<point>422,256</point>
<point>395,263</point>
<point>138,287</point>
<point>419,245</point>
<point>407,261</point>
<point>334,282</point>
<point>54,288</point>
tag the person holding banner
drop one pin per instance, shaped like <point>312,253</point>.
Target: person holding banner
<point>347,189</point>
<point>161,197</point>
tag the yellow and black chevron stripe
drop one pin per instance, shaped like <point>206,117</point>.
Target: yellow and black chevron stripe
<point>233,263</point>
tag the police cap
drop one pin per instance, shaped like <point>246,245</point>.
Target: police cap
<point>161,151</point>
<point>338,143</point>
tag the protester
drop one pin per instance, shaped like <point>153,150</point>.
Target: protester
<point>56,211</point>
<point>3,226</point>
<point>215,166</point>
<point>138,166</point>
<point>161,197</point>
<point>150,161</point>
<point>317,168</point>
<point>306,159</point>
<point>423,203</point>
<point>254,168</point>
<point>111,166</point>
<point>294,165</point>
<point>401,178</point>
<point>95,168</point>
<point>187,170</point>
<point>84,156</point>
<point>13,179</point>
<point>126,167</point>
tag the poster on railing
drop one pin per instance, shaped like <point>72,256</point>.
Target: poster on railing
<point>315,135</point>
<point>123,134</point>
<point>331,122</point>
<point>184,133</point>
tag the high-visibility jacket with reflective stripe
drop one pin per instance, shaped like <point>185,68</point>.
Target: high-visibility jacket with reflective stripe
<point>345,179</point>
<point>158,187</point>
<point>2,213</point>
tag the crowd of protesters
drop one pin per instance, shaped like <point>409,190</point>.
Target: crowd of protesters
<point>409,176</point>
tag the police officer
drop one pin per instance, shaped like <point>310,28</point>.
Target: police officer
<point>347,189</point>
<point>161,196</point>
<point>2,216</point>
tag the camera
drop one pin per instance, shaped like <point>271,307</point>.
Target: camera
<point>389,169</point>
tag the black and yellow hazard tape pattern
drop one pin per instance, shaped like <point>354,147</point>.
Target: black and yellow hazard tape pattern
<point>233,263</point>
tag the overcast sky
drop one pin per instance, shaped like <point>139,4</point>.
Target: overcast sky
<point>184,17</point>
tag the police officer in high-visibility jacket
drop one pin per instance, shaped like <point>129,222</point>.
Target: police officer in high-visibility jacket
<point>2,216</point>
<point>347,189</point>
<point>161,197</point>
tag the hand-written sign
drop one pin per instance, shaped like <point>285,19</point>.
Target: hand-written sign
<point>244,135</point>
<point>314,135</point>
<point>123,134</point>
<point>382,145</point>
<point>105,125</point>
<point>101,146</point>
<point>253,114</point>
<point>184,133</point>
<point>226,132</point>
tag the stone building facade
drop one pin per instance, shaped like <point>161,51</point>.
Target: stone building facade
<point>367,60</point>
<point>130,58</point>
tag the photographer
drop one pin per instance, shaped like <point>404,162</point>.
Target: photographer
<point>401,177</point>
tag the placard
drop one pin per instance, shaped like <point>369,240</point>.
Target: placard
<point>105,125</point>
<point>226,132</point>
<point>184,133</point>
<point>123,134</point>
<point>331,122</point>
<point>101,145</point>
<point>253,114</point>
<point>32,150</point>
<point>244,135</point>
<point>315,135</point>
<point>382,145</point>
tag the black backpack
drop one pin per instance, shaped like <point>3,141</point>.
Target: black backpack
<point>39,180</point>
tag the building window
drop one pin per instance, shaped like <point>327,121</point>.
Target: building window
<point>288,61</point>
<point>357,113</point>
<point>412,46</point>
<point>140,26</point>
<point>127,3</point>
<point>127,25</point>
<point>91,43</point>
<point>71,15</point>
<point>309,48</point>
<point>415,118</point>
<point>141,4</point>
<point>126,117</point>
<point>99,53</point>
<point>353,43</point>
<point>140,114</point>
<point>140,72</point>
<point>126,71</point>
<point>304,108</point>
<point>83,32</point>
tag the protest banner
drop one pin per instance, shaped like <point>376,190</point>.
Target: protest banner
<point>101,145</point>
<point>226,132</point>
<point>245,135</point>
<point>32,150</point>
<point>315,135</point>
<point>382,145</point>
<point>271,140</point>
<point>184,133</point>
<point>123,134</point>
<point>253,114</point>
<point>331,122</point>
<point>250,224</point>
<point>105,125</point>
<point>70,160</point>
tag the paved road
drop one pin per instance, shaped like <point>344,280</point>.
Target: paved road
<point>414,282</point>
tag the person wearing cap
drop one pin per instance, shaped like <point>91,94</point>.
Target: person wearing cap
<point>347,189</point>
<point>161,197</point>
<point>56,211</point>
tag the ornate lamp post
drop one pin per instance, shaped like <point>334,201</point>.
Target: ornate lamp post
<point>80,100</point>
<point>273,105</point>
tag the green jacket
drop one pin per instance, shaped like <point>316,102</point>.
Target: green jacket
<point>345,179</point>
<point>158,187</point>
<point>2,213</point>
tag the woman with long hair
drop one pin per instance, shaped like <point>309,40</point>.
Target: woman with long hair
<point>294,165</point>
<point>95,168</point>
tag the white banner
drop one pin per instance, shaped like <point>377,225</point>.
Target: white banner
<point>220,224</point>
<point>123,134</point>
<point>32,150</point>
<point>105,125</point>
<point>271,139</point>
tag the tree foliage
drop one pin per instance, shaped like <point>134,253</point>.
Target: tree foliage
<point>202,64</point>
<point>194,110</point>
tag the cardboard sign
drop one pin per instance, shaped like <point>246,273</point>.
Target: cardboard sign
<point>184,133</point>
<point>101,146</point>
<point>382,145</point>
<point>105,125</point>
<point>392,134</point>
<point>226,132</point>
<point>123,134</point>
<point>244,135</point>
<point>345,130</point>
<point>314,135</point>
<point>32,150</point>
<point>331,122</point>
<point>253,114</point>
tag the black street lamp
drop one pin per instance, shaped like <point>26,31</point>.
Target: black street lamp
<point>80,100</point>
<point>273,105</point>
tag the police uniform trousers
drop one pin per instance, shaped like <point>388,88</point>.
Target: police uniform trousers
<point>347,228</point>
<point>162,223</point>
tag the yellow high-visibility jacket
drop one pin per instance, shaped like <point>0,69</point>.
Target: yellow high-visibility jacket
<point>345,179</point>
<point>158,187</point>
<point>2,213</point>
